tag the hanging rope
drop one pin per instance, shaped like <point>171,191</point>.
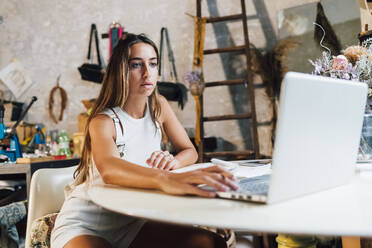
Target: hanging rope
<point>63,95</point>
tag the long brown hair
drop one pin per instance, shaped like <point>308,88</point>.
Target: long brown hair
<point>114,92</point>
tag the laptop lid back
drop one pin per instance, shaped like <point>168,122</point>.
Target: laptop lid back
<point>317,136</point>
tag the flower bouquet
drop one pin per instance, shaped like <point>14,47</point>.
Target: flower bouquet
<point>354,64</point>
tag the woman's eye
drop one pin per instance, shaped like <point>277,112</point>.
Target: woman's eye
<point>153,64</point>
<point>139,65</point>
<point>135,65</point>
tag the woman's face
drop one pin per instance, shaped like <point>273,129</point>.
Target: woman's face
<point>143,69</point>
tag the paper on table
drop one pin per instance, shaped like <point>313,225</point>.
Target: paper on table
<point>242,171</point>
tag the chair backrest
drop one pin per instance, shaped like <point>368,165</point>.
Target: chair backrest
<point>47,193</point>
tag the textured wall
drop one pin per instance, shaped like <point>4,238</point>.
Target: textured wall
<point>50,38</point>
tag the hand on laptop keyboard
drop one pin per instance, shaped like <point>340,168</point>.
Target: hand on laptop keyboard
<point>186,183</point>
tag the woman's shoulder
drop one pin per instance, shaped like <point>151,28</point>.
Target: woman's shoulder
<point>165,108</point>
<point>164,104</point>
<point>100,121</point>
<point>101,117</point>
<point>162,100</point>
<point>110,111</point>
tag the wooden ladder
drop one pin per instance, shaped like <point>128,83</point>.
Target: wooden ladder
<point>242,154</point>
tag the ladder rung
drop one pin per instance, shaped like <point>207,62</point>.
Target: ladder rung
<point>229,153</point>
<point>225,50</point>
<point>227,117</point>
<point>224,18</point>
<point>225,82</point>
<point>230,18</point>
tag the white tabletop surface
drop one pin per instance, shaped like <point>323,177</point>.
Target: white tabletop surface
<point>345,210</point>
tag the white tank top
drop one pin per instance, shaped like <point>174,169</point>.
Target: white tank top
<point>136,140</point>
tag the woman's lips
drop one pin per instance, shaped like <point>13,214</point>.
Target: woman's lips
<point>147,85</point>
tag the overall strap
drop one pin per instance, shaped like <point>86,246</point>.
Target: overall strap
<point>117,123</point>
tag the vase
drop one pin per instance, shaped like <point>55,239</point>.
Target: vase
<point>365,147</point>
<point>197,88</point>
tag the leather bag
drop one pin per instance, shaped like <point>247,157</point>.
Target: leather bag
<point>89,71</point>
<point>172,91</point>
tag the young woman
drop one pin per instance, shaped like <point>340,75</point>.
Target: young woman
<point>122,147</point>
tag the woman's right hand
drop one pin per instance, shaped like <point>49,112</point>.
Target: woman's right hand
<point>187,182</point>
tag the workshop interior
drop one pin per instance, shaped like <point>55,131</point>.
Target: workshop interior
<point>221,66</point>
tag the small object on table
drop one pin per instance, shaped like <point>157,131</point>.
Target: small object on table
<point>60,157</point>
<point>255,163</point>
<point>230,166</point>
<point>3,158</point>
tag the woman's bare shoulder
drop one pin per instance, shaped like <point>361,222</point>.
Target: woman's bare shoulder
<point>164,104</point>
<point>164,107</point>
<point>101,118</point>
<point>162,100</point>
<point>101,122</point>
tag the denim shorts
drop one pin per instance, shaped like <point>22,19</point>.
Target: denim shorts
<point>83,217</point>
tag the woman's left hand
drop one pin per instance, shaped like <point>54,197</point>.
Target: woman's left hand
<point>162,160</point>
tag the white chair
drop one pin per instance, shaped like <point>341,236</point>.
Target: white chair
<point>46,194</point>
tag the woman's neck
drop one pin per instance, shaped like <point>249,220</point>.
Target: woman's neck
<point>136,107</point>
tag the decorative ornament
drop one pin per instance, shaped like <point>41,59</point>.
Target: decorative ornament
<point>63,104</point>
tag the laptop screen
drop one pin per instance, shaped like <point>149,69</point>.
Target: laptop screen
<point>317,134</point>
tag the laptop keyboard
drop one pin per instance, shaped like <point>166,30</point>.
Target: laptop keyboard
<point>254,185</point>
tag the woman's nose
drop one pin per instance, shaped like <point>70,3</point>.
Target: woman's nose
<point>146,69</point>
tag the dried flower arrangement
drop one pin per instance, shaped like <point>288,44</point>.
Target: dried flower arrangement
<point>354,64</point>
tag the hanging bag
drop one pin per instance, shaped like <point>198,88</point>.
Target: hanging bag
<point>89,71</point>
<point>172,91</point>
<point>115,33</point>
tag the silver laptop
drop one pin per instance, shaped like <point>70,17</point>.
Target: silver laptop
<point>317,138</point>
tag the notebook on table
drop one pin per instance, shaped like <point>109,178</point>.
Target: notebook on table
<point>317,138</point>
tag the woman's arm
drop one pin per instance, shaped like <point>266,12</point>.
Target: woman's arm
<point>186,153</point>
<point>115,170</point>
